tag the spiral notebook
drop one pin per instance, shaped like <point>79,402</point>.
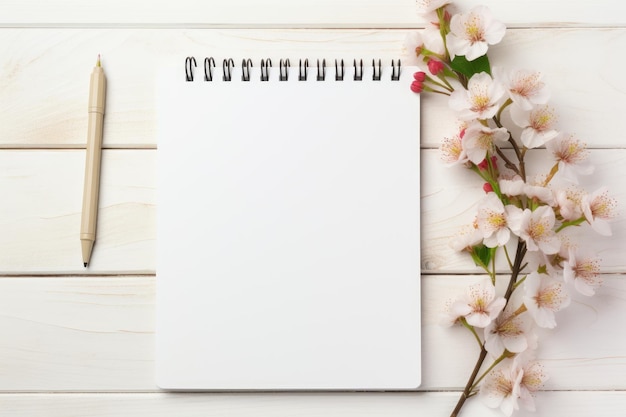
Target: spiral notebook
<point>288,226</point>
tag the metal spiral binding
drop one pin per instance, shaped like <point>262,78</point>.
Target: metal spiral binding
<point>284,70</point>
<point>395,72</point>
<point>209,63</point>
<point>188,68</point>
<point>377,74</point>
<point>303,69</point>
<point>265,69</point>
<point>246,64</point>
<point>321,74</point>
<point>339,74</point>
<point>358,71</point>
<point>227,69</point>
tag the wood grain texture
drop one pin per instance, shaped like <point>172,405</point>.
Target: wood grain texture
<point>39,224</point>
<point>79,332</point>
<point>40,109</point>
<point>294,13</point>
<point>97,334</point>
<point>606,404</point>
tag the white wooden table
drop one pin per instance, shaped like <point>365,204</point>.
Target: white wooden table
<point>80,342</point>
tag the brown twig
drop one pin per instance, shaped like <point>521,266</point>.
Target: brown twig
<point>515,271</point>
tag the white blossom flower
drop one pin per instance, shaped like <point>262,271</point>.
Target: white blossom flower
<point>538,125</point>
<point>511,186</point>
<point>472,32</point>
<point>571,155</point>
<point>569,202</point>
<point>480,100</point>
<point>479,140</point>
<point>598,209</point>
<point>429,38</point>
<point>428,6</point>
<point>466,238</point>
<point>543,296</point>
<point>509,331</point>
<point>452,152</point>
<point>412,46</point>
<point>533,378</point>
<point>535,189</point>
<point>501,388</point>
<point>583,271</point>
<point>525,88</point>
<point>535,228</point>
<point>433,41</point>
<point>479,305</point>
<point>491,221</point>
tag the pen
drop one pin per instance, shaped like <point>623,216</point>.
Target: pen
<point>97,90</point>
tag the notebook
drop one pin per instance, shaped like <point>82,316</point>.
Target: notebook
<point>288,226</point>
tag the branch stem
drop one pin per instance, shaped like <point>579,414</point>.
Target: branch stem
<point>472,382</point>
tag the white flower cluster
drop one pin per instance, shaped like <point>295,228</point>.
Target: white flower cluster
<point>532,213</point>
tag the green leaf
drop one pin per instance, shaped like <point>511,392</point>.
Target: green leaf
<point>482,255</point>
<point>468,68</point>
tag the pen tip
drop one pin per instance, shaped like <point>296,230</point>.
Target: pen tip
<point>98,63</point>
<point>85,264</point>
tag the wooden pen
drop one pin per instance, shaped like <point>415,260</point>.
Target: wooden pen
<point>91,190</point>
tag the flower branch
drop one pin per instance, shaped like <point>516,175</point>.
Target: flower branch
<point>529,210</point>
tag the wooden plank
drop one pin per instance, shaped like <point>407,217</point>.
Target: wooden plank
<point>38,108</point>
<point>573,404</point>
<point>294,13</point>
<point>39,223</point>
<point>97,334</point>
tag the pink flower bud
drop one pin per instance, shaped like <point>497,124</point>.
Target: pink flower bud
<point>435,66</point>
<point>417,86</point>
<point>484,165</point>
<point>487,188</point>
<point>420,76</point>
<point>462,133</point>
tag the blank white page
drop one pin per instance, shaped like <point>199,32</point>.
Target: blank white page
<point>288,232</point>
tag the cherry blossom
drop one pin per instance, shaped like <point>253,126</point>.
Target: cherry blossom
<point>466,238</point>
<point>428,39</point>
<point>538,124</point>
<point>598,207</point>
<point>479,141</point>
<point>511,332</point>
<point>571,155</point>
<point>513,186</point>
<point>502,388</point>
<point>533,378</point>
<point>412,48</point>
<point>569,202</point>
<point>583,271</point>
<point>428,6</point>
<point>492,222</point>
<point>525,87</point>
<point>538,209</point>
<point>452,151</point>
<point>479,305</point>
<point>535,228</point>
<point>435,66</point>
<point>480,100</point>
<point>535,189</point>
<point>543,296</point>
<point>472,32</point>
